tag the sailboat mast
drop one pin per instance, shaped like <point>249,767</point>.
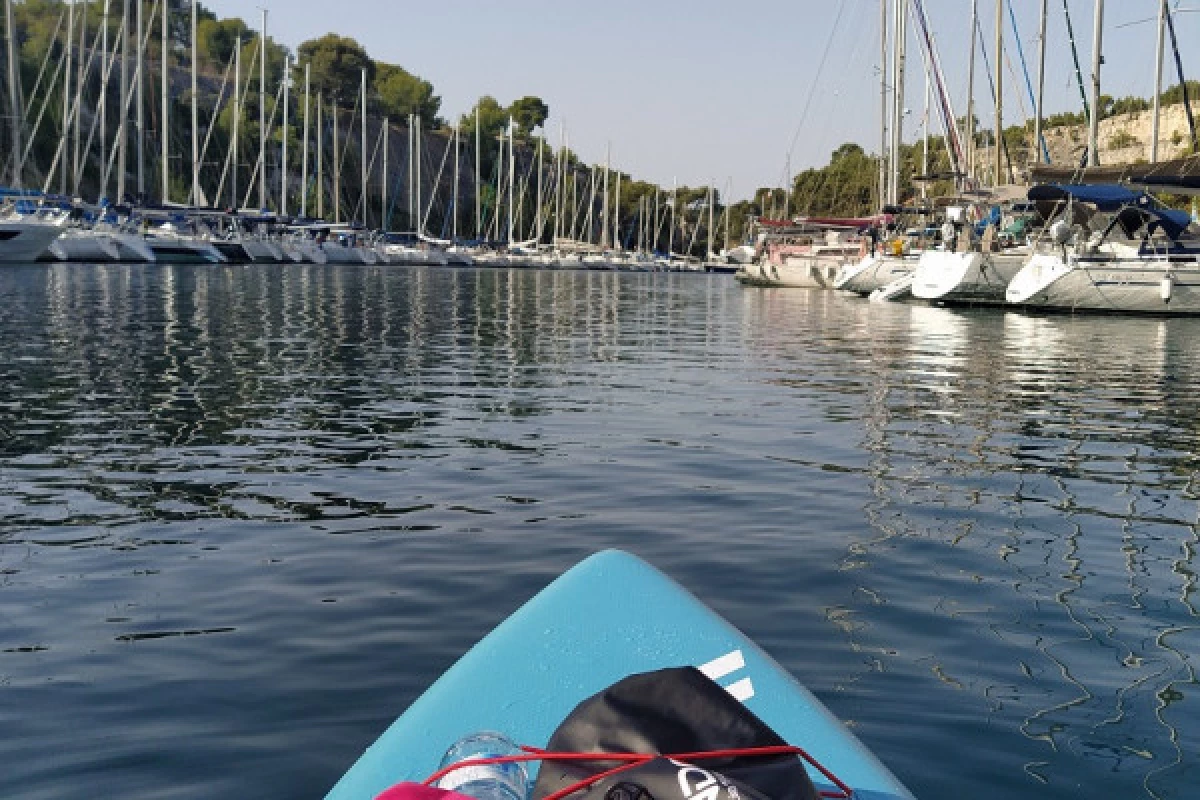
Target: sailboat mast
<point>196,113</point>
<point>604,243</point>
<point>559,185</point>
<point>383,178</point>
<point>234,203</point>
<point>320,157</point>
<point>337,169</point>
<point>76,164</point>
<point>537,217</point>
<point>454,197</point>
<point>420,163</point>
<point>262,113</point>
<point>140,78</point>
<point>709,249</point>
<point>14,97</point>
<point>655,218</point>
<point>512,173</point>
<point>123,126</point>
<point>1037,123</point>
<point>883,102</point>
<point>971,92</point>
<point>901,29</point>
<point>412,158</point>
<point>103,102</point>
<point>283,135</point>
<point>1158,70</point>
<point>304,149</point>
<point>616,231</point>
<point>671,229</point>
<point>165,115</point>
<point>574,202</point>
<point>66,110</point>
<point>729,189</point>
<point>998,144</point>
<point>1097,60</point>
<point>591,206</point>
<point>362,191</point>
<point>478,198</point>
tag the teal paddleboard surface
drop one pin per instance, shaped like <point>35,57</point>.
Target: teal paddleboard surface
<point>610,616</point>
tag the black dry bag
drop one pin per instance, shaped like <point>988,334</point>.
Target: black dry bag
<point>671,711</point>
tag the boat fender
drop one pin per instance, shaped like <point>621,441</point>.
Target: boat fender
<point>1165,286</point>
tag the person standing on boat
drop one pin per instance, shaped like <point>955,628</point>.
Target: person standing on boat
<point>949,235</point>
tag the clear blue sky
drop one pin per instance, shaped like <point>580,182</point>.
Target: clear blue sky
<point>715,90</point>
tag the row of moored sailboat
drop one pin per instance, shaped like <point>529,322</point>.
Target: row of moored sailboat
<point>1075,247</point>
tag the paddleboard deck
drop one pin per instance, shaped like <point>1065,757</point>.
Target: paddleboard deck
<point>608,617</point>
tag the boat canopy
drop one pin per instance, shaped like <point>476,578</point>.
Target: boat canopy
<point>1170,221</point>
<point>1104,197</point>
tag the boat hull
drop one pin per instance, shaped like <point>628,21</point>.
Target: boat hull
<point>131,247</point>
<point>84,246</point>
<point>1050,281</point>
<point>233,251</point>
<point>609,617</point>
<point>965,277</point>
<point>873,272</point>
<point>22,241</point>
<point>261,251</point>
<point>337,253</point>
<point>797,272</point>
<point>169,250</point>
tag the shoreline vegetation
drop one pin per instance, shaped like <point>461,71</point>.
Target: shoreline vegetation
<point>846,186</point>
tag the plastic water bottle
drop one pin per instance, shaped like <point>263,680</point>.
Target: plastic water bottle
<point>507,781</point>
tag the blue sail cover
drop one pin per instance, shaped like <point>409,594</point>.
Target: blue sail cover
<point>1106,197</point>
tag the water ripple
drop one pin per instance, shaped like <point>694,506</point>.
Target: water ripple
<point>247,514</point>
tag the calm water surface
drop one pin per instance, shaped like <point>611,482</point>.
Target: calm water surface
<point>247,514</point>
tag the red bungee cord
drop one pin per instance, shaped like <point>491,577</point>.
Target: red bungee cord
<point>632,760</point>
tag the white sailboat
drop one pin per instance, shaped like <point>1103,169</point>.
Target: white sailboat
<point>964,269</point>
<point>975,276</point>
<point>25,238</point>
<point>803,260</point>
<point>1110,248</point>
